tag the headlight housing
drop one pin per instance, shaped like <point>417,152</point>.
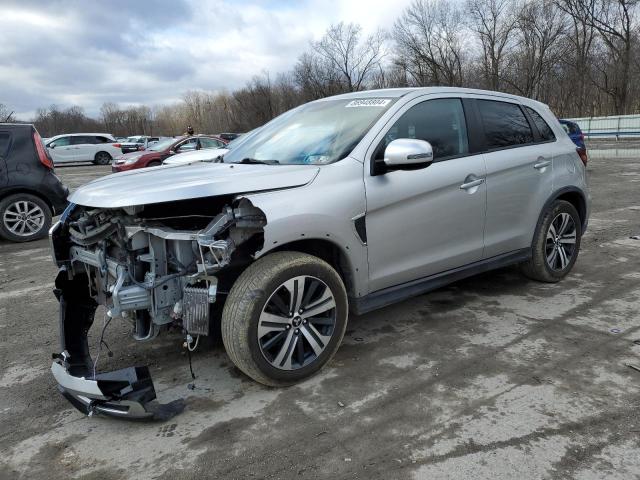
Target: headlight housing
<point>130,160</point>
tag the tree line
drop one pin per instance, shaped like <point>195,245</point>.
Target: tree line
<point>581,57</point>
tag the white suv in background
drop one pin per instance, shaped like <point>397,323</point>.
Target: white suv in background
<point>99,148</point>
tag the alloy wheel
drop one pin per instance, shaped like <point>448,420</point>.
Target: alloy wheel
<point>23,218</point>
<point>560,242</point>
<point>103,158</point>
<point>297,323</point>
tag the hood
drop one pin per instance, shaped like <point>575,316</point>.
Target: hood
<point>196,156</point>
<point>181,182</point>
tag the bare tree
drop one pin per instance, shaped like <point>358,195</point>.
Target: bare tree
<point>581,36</point>
<point>6,115</point>
<point>494,22</point>
<point>615,21</point>
<point>540,33</point>
<point>315,76</point>
<point>431,42</point>
<point>344,53</point>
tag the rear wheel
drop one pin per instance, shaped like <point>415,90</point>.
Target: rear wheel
<point>556,243</point>
<point>102,158</point>
<point>24,217</point>
<point>284,318</point>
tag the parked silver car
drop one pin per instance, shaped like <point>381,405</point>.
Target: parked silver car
<point>348,203</point>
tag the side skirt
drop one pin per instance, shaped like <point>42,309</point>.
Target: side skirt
<point>397,293</point>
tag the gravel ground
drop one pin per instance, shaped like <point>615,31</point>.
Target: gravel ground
<point>494,377</point>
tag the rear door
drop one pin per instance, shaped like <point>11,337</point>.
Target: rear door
<point>85,147</point>
<point>61,150</point>
<point>519,175</point>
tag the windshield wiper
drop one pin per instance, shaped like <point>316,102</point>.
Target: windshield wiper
<point>256,161</point>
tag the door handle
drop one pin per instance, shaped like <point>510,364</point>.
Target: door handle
<point>542,164</point>
<point>471,184</point>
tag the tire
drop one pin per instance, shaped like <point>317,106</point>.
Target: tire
<point>102,158</point>
<point>255,296</point>
<point>24,217</point>
<point>155,163</point>
<point>554,252</point>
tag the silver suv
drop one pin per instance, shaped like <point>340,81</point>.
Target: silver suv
<point>349,203</point>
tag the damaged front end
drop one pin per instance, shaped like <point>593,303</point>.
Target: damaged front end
<point>156,266</point>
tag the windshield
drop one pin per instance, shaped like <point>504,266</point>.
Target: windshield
<point>162,145</point>
<point>313,134</point>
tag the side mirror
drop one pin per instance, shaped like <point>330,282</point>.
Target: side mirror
<point>408,152</point>
<point>172,152</point>
<point>52,145</point>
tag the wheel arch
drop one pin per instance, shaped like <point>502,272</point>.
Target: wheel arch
<point>6,193</point>
<point>326,250</point>
<point>575,197</point>
<point>95,157</point>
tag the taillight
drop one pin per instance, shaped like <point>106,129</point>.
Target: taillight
<point>43,156</point>
<point>117,145</point>
<point>582,153</point>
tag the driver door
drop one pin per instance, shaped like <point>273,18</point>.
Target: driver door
<point>425,221</point>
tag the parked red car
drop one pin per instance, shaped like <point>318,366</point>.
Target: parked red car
<point>155,154</point>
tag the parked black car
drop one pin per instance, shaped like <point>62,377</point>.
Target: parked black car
<point>30,192</point>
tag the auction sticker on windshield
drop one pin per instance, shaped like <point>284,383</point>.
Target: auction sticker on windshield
<point>369,102</point>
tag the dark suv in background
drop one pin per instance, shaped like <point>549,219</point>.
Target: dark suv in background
<point>30,193</point>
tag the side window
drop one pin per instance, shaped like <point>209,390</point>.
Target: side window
<point>543,127</point>
<point>102,140</point>
<point>188,145</point>
<point>440,122</point>
<point>5,141</point>
<point>62,141</point>
<point>81,140</point>
<point>210,143</point>
<point>504,124</point>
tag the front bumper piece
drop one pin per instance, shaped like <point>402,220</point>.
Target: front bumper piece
<point>126,393</point>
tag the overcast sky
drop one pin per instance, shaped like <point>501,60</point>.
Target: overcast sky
<point>149,52</point>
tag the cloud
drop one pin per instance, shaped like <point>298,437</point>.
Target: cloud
<point>86,53</point>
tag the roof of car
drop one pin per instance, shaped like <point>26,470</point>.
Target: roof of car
<point>401,92</point>
<point>14,126</point>
<point>83,134</point>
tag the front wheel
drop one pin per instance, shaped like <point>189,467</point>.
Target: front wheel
<point>284,318</point>
<point>556,243</point>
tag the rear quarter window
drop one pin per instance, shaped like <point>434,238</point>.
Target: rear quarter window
<point>505,124</point>
<point>5,143</point>
<point>546,134</point>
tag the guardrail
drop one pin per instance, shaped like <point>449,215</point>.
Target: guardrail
<point>615,126</point>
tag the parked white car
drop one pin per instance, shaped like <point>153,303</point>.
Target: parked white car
<point>99,148</point>
<point>202,155</point>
